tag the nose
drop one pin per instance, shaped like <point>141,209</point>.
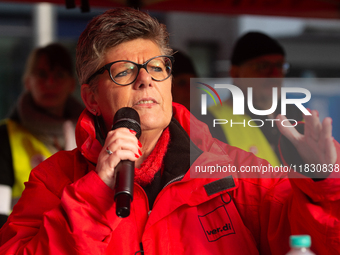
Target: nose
<point>50,80</point>
<point>143,80</point>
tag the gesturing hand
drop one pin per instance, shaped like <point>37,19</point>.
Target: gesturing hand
<point>316,145</point>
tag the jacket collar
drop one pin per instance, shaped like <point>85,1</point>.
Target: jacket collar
<point>90,147</point>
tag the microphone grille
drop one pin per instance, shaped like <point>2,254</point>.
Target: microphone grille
<point>129,118</point>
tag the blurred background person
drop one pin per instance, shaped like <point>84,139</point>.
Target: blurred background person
<point>41,122</point>
<point>183,70</point>
<point>257,61</point>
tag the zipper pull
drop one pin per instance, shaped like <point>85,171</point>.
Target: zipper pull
<point>141,251</point>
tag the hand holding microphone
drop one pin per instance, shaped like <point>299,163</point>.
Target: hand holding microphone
<point>125,170</point>
<point>116,161</point>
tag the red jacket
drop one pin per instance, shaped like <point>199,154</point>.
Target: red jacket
<point>67,209</point>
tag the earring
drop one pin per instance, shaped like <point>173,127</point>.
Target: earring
<point>94,110</point>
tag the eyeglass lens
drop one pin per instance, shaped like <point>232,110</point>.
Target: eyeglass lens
<point>124,72</point>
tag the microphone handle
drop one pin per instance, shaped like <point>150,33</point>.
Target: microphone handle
<point>125,172</point>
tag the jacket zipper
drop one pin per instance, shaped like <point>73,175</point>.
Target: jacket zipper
<point>168,183</point>
<point>174,180</point>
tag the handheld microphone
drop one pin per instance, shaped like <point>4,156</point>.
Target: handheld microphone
<point>125,170</point>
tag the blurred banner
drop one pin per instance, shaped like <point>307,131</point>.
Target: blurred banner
<point>292,8</point>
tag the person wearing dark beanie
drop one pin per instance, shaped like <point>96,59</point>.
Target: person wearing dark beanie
<point>256,55</point>
<point>253,45</point>
<point>257,61</point>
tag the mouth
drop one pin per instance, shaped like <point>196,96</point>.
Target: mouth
<point>146,101</point>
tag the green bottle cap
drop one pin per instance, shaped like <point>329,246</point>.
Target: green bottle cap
<point>299,241</point>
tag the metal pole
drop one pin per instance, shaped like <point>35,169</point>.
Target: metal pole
<point>44,23</point>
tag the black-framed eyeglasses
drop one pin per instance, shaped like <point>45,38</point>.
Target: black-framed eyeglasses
<point>125,72</point>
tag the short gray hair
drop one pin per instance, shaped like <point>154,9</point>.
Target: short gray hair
<point>112,28</point>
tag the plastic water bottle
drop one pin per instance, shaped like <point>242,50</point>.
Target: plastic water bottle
<point>300,245</point>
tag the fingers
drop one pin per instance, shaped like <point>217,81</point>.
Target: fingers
<point>288,130</point>
<point>316,144</point>
<point>120,144</point>
<point>313,126</point>
<point>123,144</point>
<point>326,128</point>
<point>321,134</point>
<point>326,142</point>
<point>330,152</point>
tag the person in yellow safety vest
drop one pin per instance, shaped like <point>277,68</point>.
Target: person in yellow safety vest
<point>255,56</point>
<point>41,123</point>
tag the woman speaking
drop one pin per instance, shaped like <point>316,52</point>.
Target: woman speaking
<point>69,207</point>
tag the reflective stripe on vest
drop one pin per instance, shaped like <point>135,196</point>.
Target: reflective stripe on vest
<point>27,152</point>
<point>248,138</point>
